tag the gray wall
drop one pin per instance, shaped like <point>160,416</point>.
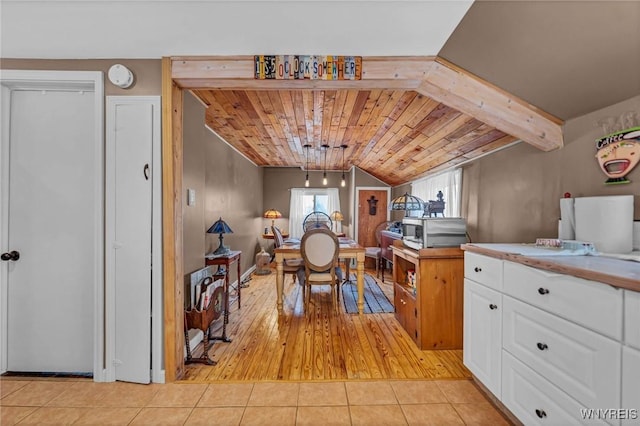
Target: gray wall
<point>513,195</point>
<point>227,185</point>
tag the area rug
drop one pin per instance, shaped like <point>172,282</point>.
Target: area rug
<point>375,301</point>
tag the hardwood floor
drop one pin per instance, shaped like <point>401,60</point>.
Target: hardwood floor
<point>325,344</point>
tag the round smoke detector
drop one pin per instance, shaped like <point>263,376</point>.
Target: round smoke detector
<point>120,76</point>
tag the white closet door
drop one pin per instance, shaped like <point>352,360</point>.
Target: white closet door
<point>132,123</point>
<point>51,223</point>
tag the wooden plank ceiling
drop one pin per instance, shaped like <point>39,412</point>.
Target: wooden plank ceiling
<point>395,135</point>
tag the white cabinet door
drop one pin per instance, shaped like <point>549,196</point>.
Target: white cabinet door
<point>483,334</point>
<point>632,318</point>
<point>630,386</point>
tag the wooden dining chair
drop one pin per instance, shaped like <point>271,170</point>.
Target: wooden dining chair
<point>290,266</point>
<point>375,252</point>
<point>319,248</point>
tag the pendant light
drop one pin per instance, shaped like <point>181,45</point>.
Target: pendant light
<point>324,175</point>
<point>343,183</point>
<point>306,157</point>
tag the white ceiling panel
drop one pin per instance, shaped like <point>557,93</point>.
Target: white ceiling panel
<point>84,29</point>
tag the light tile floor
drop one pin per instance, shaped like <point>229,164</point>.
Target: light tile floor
<point>371,403</point>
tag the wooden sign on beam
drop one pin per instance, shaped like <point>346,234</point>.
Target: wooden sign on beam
<point>313,67</point>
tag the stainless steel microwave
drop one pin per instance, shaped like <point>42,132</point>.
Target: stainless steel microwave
<point>426,232</point>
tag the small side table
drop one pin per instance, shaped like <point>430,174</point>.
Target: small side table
<point>270,236</point>
<point>227,260</point>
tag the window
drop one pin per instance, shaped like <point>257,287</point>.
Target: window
<point>450,183</point>
<point>304,201</point>
<point>315,203</point>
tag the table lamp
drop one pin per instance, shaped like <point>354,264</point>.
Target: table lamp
<point>272,214</point>
<point>336,216</point>
<point>220,227</point>
<point>407,202</point>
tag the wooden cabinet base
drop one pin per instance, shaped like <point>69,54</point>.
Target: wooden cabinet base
<point>428,294</point>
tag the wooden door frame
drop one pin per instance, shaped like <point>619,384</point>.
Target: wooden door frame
<point>430,76</point>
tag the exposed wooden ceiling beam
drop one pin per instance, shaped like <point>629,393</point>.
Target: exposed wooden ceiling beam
<point>470,94</point>
<point>236,73</point>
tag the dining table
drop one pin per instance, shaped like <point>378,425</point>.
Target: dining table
<point>349,249</point>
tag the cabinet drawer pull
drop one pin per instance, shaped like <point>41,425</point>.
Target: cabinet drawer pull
<point>477,269</point>
<point>492,306</point>
<point>542,346</point>
<point>543,291</point>
<point>540,413</point>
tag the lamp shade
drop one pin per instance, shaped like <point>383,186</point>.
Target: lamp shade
<point>407,202</point>
<point>337,216</point>
<point>272,214</point>
<point>220,227</point>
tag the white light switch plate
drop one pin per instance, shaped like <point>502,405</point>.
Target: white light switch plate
<point>191,197</point>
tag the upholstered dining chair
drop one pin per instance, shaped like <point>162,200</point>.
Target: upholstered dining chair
<point>320,248</point>
<point>290,266</point>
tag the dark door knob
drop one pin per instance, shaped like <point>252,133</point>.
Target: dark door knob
<point>14,255</point>
<point>477,269</point>
<point>543,291</point>
<point>492,306</point>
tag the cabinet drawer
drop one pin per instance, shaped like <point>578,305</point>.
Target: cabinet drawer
<point>594,305</point>
<point>632,318</point>
<point>483,269</point>
<point>582,363</point>
<point>534,400</point>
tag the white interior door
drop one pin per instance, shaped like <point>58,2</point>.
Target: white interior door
<point>52,201</point>
<point>132,124</point>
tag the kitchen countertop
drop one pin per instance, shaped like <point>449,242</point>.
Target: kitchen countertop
<point>615,272</point>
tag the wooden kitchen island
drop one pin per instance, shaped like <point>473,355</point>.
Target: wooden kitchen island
<point>428,291</point>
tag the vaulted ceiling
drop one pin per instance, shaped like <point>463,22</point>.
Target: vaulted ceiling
<point>394,135</point>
